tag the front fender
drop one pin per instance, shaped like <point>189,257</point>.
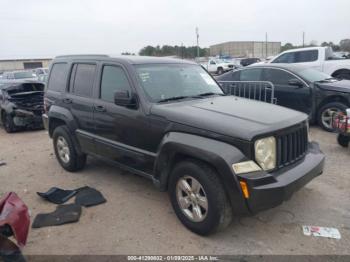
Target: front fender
<point>218,154</point>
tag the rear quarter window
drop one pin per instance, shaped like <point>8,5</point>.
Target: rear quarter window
<point>58,77</point>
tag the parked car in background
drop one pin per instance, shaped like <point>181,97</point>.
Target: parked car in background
<point>19,75</point>
<point>301,88</point>
<point>168,120</point>
<point>320,58</point>
<point>41,71</point>
<point>249,61</point>
<point>217,66</point>
<point>21,105</point>
<point>42,78</point>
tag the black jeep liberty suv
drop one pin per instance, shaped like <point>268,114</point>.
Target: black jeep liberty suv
<point>169,120</point>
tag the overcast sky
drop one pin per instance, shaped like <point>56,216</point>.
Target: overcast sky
<point>52,27</point>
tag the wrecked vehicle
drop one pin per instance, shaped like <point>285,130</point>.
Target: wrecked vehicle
<point>169,120</point>
<point>21,105</point>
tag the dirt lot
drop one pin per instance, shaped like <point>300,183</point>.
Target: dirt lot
<point>137,219</point>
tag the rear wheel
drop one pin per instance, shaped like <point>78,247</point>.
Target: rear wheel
<point>343,140</point>
<point>326,112</point>
<point>65,151</point>
<point>198,197</point>
<point>220,71</point>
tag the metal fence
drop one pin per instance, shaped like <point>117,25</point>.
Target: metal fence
<point>256,90</point>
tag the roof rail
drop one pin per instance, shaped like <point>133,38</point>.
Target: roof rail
<point>88,55</point>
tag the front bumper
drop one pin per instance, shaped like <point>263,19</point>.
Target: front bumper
<point>24,118</point>
<point>271,189</point>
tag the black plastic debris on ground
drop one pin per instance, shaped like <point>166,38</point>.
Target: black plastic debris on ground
<point>88,197</point>
<point>62,215</point>
<point>57,195</point>
<point>2,163</point>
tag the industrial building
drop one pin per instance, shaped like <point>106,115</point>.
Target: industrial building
<point>9,64</point>
<point>246,49</point>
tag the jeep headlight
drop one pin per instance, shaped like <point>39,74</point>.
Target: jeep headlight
<point>265,152</point>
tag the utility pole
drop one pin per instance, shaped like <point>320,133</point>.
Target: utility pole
<point>303,39</point>
<point>266,45</point>
<point>197,35</point>
<point>182,51</point>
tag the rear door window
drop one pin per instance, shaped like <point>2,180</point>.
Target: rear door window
<point>251,74</point>
<point>306,56</point>
<point>58,77</point>
<point>83,81</point>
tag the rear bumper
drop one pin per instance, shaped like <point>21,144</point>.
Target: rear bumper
<point>271,189</point>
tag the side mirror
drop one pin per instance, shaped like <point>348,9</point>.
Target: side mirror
<point>295,82</point>
<point>125,98</point>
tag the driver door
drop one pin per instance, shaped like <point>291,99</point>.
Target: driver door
<point>294,97</point>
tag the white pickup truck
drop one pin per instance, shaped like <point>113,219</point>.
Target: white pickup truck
<point>320,58</point>
<point>217,66</point>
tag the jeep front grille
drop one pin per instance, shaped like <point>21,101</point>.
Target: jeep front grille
<point>292,146</point>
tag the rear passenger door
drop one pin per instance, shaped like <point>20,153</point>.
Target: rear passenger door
<point>79,99</point>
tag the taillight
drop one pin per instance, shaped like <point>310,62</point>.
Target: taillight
<point>46,106</point>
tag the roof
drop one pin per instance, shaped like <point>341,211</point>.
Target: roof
<point>128,59</point>
<point>291,67</point>
<point>305,49</point>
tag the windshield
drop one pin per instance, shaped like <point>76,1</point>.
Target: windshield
<point>313,75</point>
<point>164,81</point>
<point>20,75</point>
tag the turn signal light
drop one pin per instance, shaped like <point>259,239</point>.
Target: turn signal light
<point>244,187</point>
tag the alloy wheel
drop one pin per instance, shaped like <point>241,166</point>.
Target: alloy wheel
<point>192,198</point>
<point>326,116</point>
<point>63,149</point>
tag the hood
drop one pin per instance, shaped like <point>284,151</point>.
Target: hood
<point>340,86</point>
<point>229,115</point>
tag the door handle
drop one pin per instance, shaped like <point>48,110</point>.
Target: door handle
<point>67,100</point>
<point>100,109</point>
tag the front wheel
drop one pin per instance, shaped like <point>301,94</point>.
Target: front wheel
<point>198,197</point>
<point>327,111</point>
<point>8,123</point>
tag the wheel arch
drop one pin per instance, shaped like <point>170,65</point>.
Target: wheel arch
<point>341,71</point>
<point>332,99</point>
<point>177,147</point>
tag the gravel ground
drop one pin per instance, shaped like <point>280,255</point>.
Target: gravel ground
<point>137,219</point>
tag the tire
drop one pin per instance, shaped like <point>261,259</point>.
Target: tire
<point>220,71</point>
<point>218,214</point>
<point>343,140</point>
<point>65,151</point>
<point>325,113</point>
<point>8,123</point>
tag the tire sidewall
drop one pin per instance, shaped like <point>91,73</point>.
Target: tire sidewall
<point>213,217</point>
<point>8,123</point>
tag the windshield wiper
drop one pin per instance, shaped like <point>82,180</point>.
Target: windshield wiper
<point>210,94</point>
<point>172,98</point>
